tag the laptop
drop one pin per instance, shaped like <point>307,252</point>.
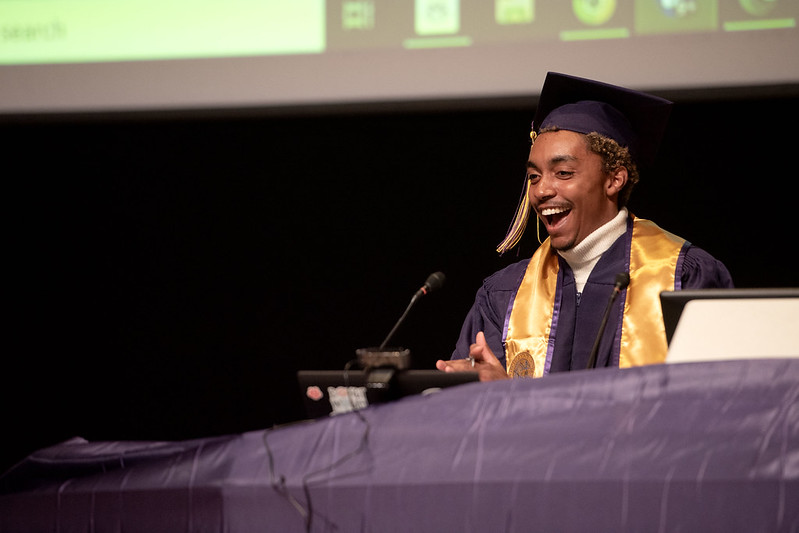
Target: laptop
<point>332,392</point>
<point>719,324</point>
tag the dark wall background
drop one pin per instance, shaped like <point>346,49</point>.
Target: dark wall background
<point>167,275</point>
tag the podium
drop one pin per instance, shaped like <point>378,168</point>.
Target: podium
<point>683,447</point>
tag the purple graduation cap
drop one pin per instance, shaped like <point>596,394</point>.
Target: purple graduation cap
<point>633,119</point>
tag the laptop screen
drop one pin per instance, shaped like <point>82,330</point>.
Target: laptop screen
<point>673,302</point>
<point>723,324</point>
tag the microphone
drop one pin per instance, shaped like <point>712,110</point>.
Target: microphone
<point>622,280</point>
<point>434,282</point>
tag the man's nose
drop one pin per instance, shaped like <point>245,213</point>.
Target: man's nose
<point>543,189</point>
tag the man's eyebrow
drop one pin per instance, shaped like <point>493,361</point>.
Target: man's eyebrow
<point>566,158</point>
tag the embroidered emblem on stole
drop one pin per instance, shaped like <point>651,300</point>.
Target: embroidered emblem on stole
<point>531,322</point>
<point>522,366</point>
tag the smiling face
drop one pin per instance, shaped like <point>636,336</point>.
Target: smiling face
<point>569,190</point>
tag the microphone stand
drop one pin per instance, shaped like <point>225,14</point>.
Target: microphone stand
<point>382,364</point>
<point>622,280</point>
<point>401,319</point>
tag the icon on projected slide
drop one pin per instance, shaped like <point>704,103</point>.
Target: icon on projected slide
<point>759,7</point>
<point>594,12</point>
<point>678,8</point>
<point>437,17</point>
<point>514,11</point>
<point>358,15</point>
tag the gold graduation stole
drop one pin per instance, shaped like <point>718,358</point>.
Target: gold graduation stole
<point>529,339</point>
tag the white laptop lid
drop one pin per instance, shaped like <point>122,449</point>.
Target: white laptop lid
<point>733,328</point>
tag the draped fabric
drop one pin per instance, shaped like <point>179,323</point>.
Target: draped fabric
<point>533,316</point>
<point>654,267</point>
<point>687,447</point>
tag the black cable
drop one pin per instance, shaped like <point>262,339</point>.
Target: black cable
<point>280,485</point>
<point>306,512</point>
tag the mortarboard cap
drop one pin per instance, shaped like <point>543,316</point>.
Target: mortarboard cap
<point>633,119</point>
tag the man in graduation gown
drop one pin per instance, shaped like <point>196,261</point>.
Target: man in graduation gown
<point>544,314</point>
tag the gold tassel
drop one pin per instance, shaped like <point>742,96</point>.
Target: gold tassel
<point>538,229</point>
<point>519,223</point>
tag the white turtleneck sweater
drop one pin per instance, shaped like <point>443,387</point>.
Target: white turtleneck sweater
<point>584,256</point>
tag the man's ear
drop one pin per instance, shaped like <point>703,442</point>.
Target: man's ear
<point>617,179</point>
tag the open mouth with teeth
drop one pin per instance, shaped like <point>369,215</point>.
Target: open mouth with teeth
<point>554,215</point>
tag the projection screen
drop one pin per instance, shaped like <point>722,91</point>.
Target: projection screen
<point>128,55</point>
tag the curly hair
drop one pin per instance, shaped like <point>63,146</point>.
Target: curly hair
<point>613,156</point>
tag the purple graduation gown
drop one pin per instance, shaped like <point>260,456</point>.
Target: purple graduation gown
<point>581,314</point>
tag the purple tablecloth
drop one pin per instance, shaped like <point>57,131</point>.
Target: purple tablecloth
<point>690,447</point>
